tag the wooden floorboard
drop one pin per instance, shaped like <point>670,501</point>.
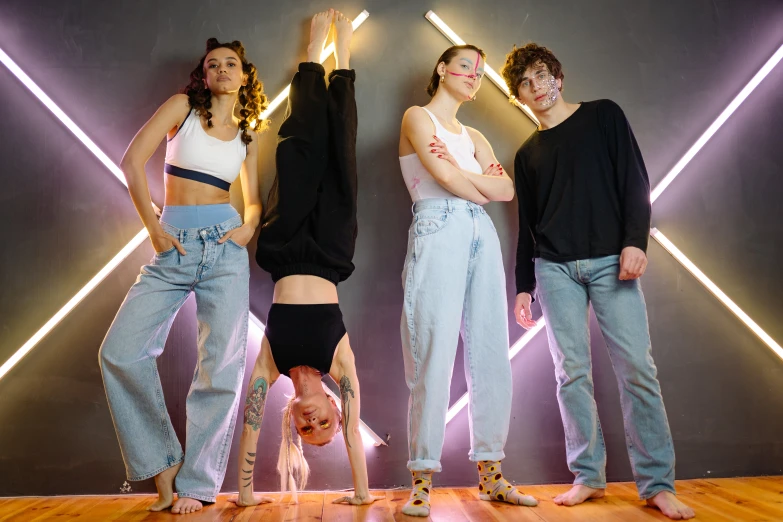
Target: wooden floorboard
<point>757,499</point>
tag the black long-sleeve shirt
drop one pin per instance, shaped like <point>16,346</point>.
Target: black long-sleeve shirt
<point>583,190</point>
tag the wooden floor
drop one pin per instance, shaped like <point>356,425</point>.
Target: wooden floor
<point>751,499</point>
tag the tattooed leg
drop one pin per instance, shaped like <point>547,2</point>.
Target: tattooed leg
<point>345,390</point>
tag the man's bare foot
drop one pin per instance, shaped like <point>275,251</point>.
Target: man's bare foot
<point>671,506</point>
<point>251,500</point>
<point>185,505</point>
<point>319,31</point>
<point>164,481</point>
<point>578,494</point>
<point>342,42</point>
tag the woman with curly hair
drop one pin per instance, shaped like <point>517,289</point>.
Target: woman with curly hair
<point>306,243</point>
<point>200,247</point>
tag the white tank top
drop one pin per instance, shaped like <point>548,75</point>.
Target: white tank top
<point>192,149</point>
<point>420,183</point>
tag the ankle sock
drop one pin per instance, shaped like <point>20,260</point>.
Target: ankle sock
<point>418,504</point>
<point>492,486</point>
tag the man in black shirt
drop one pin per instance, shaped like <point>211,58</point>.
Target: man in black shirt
<point>584,222</point>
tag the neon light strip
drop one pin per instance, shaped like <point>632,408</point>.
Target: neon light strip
<point>512,352</point>
<point>717,292</point>
<point>712,129</point>
<point>328,51</point>
<point>489,71</point>
<point>114,169</point>
<point>68,122</point>
<point>75,300</point>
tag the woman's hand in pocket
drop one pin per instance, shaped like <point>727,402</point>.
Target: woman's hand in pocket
<point>162,242</point>
<point>241,236</point>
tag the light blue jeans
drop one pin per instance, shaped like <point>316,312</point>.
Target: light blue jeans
<point>454,281</point>
<point>219,276</point>
<point>565,291</point>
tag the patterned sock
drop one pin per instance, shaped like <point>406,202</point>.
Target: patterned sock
<point>492,486</point>
<point>419,503</point>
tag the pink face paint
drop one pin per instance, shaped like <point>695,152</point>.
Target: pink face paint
<point>473,76</point>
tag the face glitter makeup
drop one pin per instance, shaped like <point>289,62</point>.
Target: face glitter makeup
<point>543,81</point>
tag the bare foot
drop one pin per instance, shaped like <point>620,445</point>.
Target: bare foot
<point>185,505</point>
<point>578,494</point>
<point>319,31</point>
<point>671,506</point>
<point>164,481</point>
<point>252,500</point>
<point>342,42</point>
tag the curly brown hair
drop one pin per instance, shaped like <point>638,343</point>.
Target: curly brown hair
<point>520,58</point>
<point>446,58</point>
<point>252,99</point>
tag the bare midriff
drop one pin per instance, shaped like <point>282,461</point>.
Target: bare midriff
<point>182,191</point>
<point>304,289</point>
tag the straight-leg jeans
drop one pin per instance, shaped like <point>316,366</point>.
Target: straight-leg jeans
<point>565,291</point>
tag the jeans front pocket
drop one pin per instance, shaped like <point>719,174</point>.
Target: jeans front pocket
<point>160,256</point>
<point>429,222</point>
<point>232,242</point>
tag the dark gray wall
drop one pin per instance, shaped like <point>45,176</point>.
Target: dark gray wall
<point>673,66</point>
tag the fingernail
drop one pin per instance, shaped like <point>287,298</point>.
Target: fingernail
<point>440,155</point>
<point>433,150</point>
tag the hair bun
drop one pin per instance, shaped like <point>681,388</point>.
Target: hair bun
<point>212,43</point>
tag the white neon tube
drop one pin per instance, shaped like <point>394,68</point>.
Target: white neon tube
<point>137,240</point>
<point>68,122</point>
<point>717,292</point>
<point>720,120</point>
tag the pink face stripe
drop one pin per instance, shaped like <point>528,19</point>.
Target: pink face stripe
<point>473,76</point>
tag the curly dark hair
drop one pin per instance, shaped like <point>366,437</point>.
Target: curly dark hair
<point>252,99</point>
<point>446,58</point>
<point>520,58</point>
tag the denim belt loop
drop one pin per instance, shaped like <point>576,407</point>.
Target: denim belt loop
<point>450,205</point>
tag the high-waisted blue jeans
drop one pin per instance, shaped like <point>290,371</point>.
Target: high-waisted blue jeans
<point>454,280</point>
<point>218,274</point>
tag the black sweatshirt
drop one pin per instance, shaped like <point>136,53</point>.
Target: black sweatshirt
<point>583,190</point>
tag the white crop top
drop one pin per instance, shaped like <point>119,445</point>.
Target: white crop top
<point>194,154</point>
<point>420,183</point>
